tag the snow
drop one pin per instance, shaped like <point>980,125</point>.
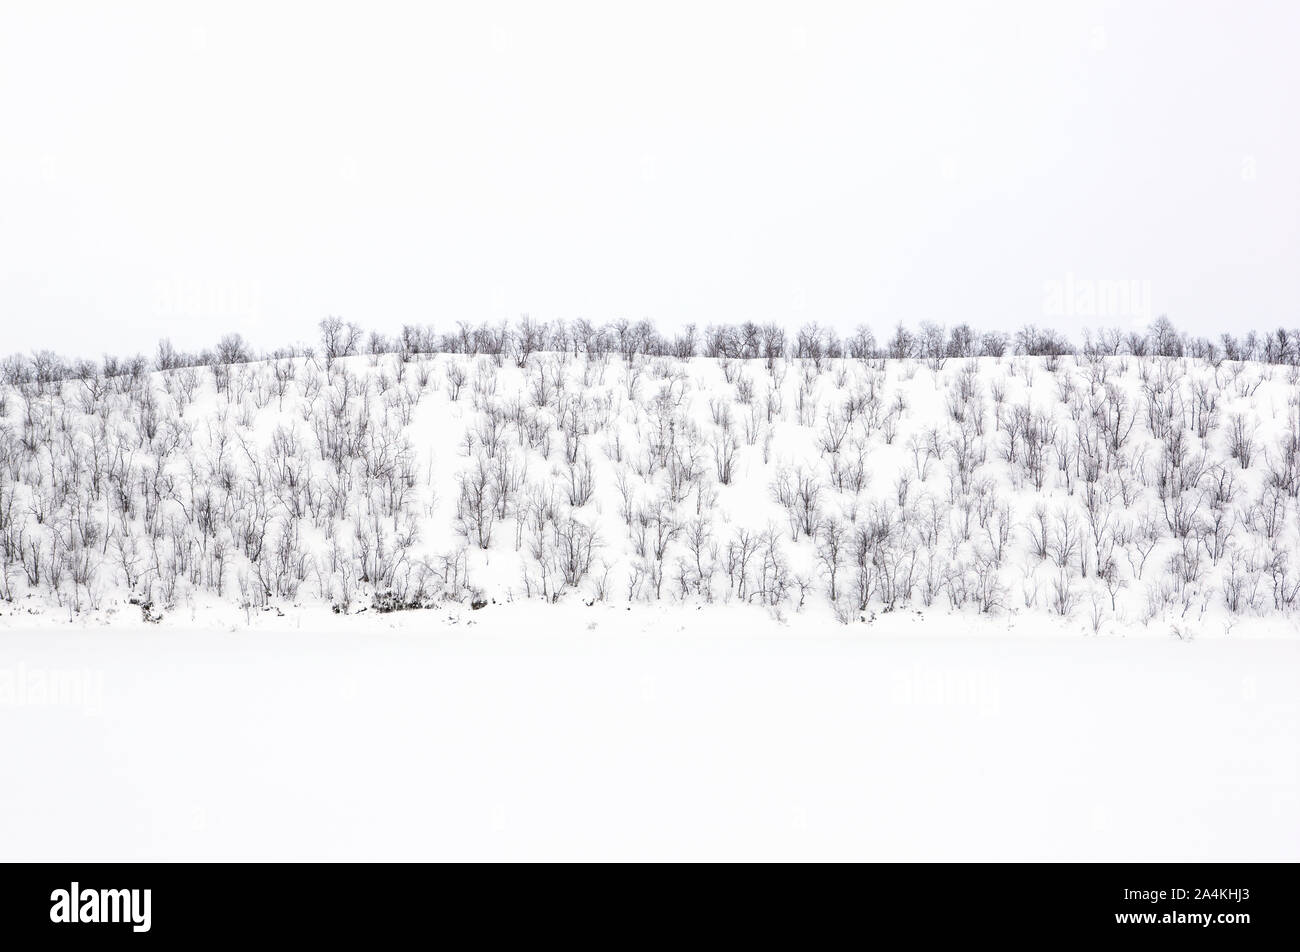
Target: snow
<point>572,733</point>
<point>210,505</point>
<point>193,664</point>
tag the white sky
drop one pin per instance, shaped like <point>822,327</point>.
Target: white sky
<point>187,169</point>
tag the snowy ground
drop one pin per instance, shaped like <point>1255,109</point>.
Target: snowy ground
<point>668,739</point>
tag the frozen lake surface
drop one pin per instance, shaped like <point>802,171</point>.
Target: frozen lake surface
<point>496,742</point>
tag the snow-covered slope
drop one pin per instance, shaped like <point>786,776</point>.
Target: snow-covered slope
<point>450,607</point>
<point>1114,494</point>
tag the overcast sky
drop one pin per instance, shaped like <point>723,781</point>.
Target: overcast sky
<point>187,169</point>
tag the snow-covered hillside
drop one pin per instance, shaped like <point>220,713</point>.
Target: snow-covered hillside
<point>1111,492</point>
<point>541,604</point>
